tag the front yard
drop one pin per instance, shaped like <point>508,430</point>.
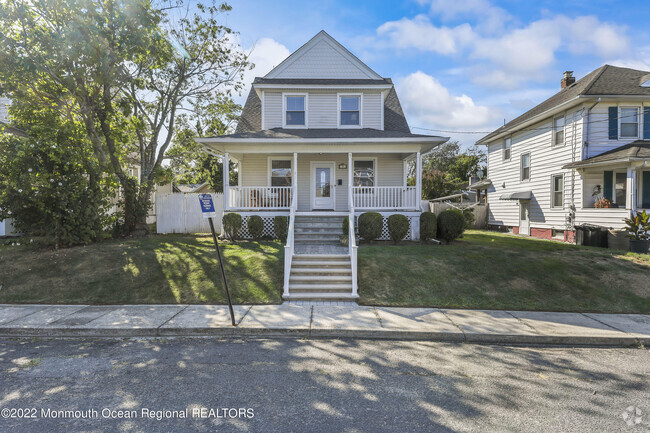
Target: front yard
<point>487,270</point>
<point>160,269</point>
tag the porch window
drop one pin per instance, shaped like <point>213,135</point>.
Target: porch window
<point>629,122</point>
<point>557,194</point>
<point>281,172</point>
<point>620,188</point>
<point>364,173</point>
<point>350,110</point>
<point>295,110</point>
<point>525,166</point>
<point>558,131</point>
<point>506,149</point>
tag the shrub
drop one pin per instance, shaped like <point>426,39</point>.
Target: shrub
<point>255,226</point>
<point>468,214</point>
<point>346,226</point>
<point>370,225</point>
<point>428,226</point>
<point>451,224</point>
<point>280,227</point>
<point>398,227</point>
<point>231,225</point>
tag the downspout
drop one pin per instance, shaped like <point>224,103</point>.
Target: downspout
<point>586,140</point>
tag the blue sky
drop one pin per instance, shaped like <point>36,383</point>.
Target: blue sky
<point>458,65</point>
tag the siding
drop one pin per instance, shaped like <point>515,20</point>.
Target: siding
<point>272,110</point>
<point>598,139</point>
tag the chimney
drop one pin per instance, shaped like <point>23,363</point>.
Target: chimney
<point>568,79</point>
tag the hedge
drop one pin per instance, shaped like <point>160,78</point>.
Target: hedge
<point>280,226</point>
<point>255,225</point>
<point>428,226</point>
<point>398,227</point>
<point>451,224</point>
<point>370,225</point>
<point>231,225</point>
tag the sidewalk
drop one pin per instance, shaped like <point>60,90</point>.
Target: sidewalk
<point>322,320</point>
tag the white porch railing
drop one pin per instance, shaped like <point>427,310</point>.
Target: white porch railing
<point>289,247</point>
<point>385,197</point>
<point>259,197</point>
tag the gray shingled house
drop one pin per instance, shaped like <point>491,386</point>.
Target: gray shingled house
<point>322,138</point>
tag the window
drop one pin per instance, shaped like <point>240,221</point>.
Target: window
<point>350,110</point>
<point>557,193</point>
<point>620,188</point>
<point>558,131</point>
<point>295,110</point>
<point>280,172</point>
<point>364,173</point>
<point>506,149</point>
<point>525,166</point>
<point>629,122</point>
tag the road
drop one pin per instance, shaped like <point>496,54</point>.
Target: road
<point>286,385</point>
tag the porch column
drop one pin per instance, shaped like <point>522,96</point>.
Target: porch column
<point>418,181</point>
<point>294,178</point>
<point>350,180</point>
<point>226,181</point>
<point>630,200</point>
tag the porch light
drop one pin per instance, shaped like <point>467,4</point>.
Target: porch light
<point>343,166</point>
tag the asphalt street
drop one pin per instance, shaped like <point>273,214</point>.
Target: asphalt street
<point>290,385</point>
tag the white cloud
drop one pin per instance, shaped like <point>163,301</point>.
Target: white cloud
<point>490,18</point>
<point>428,103</point>
<point>265,54</point>
<point>420,33</point>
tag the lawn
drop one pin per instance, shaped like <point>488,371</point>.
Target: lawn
<point>160,269</point>
<point>487,270</point>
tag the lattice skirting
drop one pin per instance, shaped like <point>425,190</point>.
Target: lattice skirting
<point>414,226</point>
<point>268,231</point>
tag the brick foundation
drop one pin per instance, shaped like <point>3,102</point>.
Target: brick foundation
<point>515,230</point>
<point>569,235</point>
<point>541,233</point>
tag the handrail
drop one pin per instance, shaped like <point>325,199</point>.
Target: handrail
<point>289,247</point>
<point>352,246</point>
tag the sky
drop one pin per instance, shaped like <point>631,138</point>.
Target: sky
<point>458,65</point>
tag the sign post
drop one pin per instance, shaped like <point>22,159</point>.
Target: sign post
<point>207,207</point>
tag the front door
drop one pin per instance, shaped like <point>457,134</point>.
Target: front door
<point>323,185</point>
<point>524,217</point>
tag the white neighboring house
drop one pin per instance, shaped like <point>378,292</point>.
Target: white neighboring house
<point>6,229</point>
<point>322,137</point>
<point>591,140</point>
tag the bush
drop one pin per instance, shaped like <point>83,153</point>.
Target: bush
<point>255,225</point>
<point>346,226</point>
<point>231,225</point>
<point>451,224</point>
<point>398,227</point>
<point>280,226</point>
<point>428,226</point>
<point>468,214</point>
<point>370,225</point>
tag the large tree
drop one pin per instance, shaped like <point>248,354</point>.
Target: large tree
<point>126,69</point>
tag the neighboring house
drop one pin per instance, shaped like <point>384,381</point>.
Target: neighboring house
<point>322,137</point>
<point>6,228</point>
<point>191,188</point>
<point>589,142</point>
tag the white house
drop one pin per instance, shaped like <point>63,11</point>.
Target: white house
<point>589,142</point>
<point>322,137</point>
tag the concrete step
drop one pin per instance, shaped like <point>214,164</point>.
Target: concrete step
<point>317,236</point>
<point>332,230</point>
<point>320,287</point>
<point>319,220</point>
<point>317,242</point>
<point>320,297</point>
<point>321,264</point>
<point>318,279</point>
<point>321,270</point>
<point>320,257</point>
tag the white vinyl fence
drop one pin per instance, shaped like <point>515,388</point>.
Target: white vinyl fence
<point>181,213</point>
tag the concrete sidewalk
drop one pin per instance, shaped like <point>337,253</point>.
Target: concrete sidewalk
<point>318,320</point>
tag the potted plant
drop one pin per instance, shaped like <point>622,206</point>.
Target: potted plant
<point>603,202</point>
<point>639,232</point>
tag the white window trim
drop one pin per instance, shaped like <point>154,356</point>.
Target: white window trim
<point>284,110</point>
<point>553,204</point>
<point>521,167</point>
<point>338,111</point>
<point>554,139</point>
<point>375,165</point>
<point>504,147</point>
<point>639,125</point>
<point>278,158</point>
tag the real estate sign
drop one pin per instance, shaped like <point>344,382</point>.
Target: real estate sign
<point>207,206</point>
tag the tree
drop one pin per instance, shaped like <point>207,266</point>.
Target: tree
<point>126,69</point>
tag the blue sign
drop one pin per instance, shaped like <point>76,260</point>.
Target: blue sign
<point>207,205</point>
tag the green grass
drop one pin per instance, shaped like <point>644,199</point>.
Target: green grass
<point>487,270</point>
<point>160,269</point>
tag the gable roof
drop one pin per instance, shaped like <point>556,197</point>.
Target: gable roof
<point>335,61</point>
<point>605,81</point>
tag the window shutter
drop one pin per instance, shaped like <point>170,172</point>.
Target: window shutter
<point>646,123</point>
<point>645,200</point>
<point>613,123</point>
<point>608,180</point>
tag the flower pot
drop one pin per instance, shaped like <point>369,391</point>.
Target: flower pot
<point>345,241</point>
<point>640,247</point>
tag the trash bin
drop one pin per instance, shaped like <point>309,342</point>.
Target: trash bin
<point>591,235</point>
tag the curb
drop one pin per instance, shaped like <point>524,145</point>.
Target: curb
<point>567,340</point>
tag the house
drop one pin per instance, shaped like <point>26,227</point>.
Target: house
<point>322,137</point>
<point>585,147</point>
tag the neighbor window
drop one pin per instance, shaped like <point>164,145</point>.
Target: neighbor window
<point>525,166</point>
<point>281,172</point>
<point>350,111</point>
<point>506,149</point>
<point>629,122</point>
<point>364,173</point>
<point>620,188</point>
<point>295,110</point>
<point>557,195</point>
<point>558,131</point>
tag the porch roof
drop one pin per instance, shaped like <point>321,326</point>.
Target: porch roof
<point>636,151</point>
<point>302,134</point>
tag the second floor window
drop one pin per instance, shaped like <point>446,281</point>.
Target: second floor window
<point>525,166</point>
<point>629,122</point>
<point>350,111</point>
<point>558,131</point>
<point>506,149</point>
<point>295,111</point>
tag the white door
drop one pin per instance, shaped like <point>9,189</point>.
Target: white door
<point>524,217</point>
<point>323,185</point>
